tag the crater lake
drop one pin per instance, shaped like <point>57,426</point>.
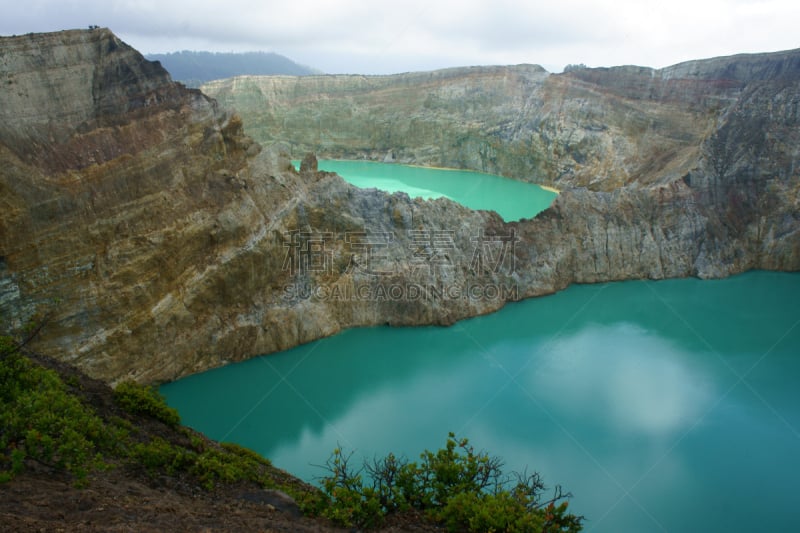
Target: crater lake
<point>511,199</point>
<point>660,405</point>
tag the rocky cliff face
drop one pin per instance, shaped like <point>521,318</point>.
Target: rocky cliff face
<point>154,239</point>
<point>698,160</point>
<point>520,122</point>
<point>112,179</point>
<point>598,128</point>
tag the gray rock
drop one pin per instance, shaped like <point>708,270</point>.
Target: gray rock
<point>138,216</point>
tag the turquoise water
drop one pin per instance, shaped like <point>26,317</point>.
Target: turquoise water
<point>662,406</point>
<point>512,199</point>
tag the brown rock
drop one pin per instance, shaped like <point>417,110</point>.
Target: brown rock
<point>141,221</point>
<point>309,163</point>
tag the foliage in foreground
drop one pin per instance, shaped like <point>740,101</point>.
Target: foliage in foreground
<point>140,399</point>
<point>455,486</point>
<point>43,420</point>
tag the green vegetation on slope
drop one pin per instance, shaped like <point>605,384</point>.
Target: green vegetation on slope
<point>59,419</point>
<point>455,486</point>
<point>61,424</point>
<point>42,422</point>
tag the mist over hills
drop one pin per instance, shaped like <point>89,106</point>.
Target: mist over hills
<point>195,68</point>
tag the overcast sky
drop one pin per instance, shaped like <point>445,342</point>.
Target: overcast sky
<point>375,37</point>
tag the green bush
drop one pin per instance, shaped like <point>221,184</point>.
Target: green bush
<point>159,456</point>
<point>455,486</point>
<point>140,399</point>
<point>245,454</point>
<point>352,503</point>
<point>210,465</point>
<point>41,421</point>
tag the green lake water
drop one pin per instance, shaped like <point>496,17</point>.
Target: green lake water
<point>512,199</point>
<point>662,406</point>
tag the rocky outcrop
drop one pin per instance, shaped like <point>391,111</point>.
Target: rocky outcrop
<point>154,239</point>
<point>711,145</point>
<point>597,128</point>
<point>113,183</point>
<point>520,122</point>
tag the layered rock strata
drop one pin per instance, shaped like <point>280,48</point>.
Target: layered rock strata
<point>154,239</point>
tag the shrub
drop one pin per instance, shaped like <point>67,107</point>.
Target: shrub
<point>140,399</point>
<point>245,453</point>
<point>160,456</point>
<point>352,503</point>
<point>455,486</point>
<point>208,464</point>
<point>41,421</point>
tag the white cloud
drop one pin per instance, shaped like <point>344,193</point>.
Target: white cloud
<point>372,37</point>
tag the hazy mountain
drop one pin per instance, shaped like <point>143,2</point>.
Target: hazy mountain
<point>194,68</point>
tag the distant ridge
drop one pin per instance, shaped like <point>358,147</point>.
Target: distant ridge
<point>195,68</point>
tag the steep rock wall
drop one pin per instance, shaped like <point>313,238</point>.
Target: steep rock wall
<point>154,239</point>
<point>519,122</point>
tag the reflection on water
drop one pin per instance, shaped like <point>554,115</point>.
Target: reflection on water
<point>660,405</point>
<point>639,382</point>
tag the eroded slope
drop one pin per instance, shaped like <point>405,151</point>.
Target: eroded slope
<point>155,239</point>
